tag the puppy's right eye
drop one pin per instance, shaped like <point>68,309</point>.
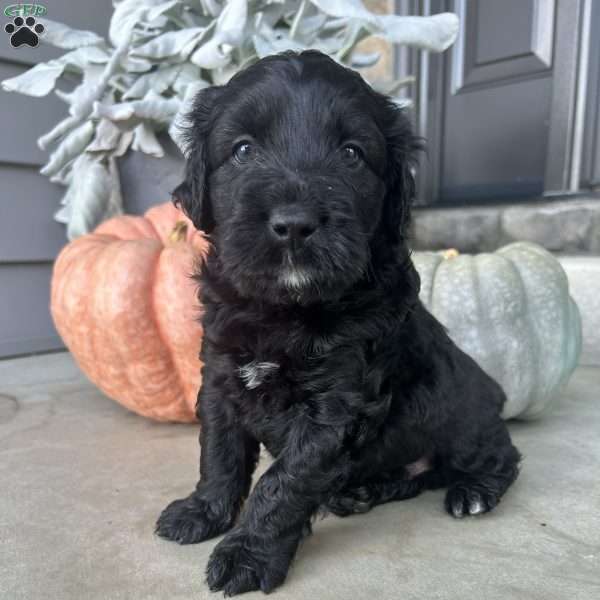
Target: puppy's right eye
<point>242,151</point>
<point>352,154</point>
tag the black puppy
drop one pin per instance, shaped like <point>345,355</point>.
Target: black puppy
<point>315,342</point>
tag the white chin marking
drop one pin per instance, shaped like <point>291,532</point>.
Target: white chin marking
<point>295,279</point>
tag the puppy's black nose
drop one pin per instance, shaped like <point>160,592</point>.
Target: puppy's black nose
<point>292,223</point>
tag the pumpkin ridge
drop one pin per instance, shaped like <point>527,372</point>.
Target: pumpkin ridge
<point>156,232</point>
<point>533,335</point>
<point>127,228</point>
<point>432,286</point>
<point>536,402</point>
<point>157,325</point>
<point>163,217</point>
<point>68,263</point>
<point>99,336</point>
<point>574,343</point>
<point>95,338</point>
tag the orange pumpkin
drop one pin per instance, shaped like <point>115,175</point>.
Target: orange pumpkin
<point>125,305</point>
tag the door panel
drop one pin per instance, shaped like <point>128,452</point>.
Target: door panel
<point>496,105</point>
<point>500,41</point>
<point>590,176</point>
<point>486,108</point>
<point>511,110</point>
<point>487,155</point>
<point>491,21</point>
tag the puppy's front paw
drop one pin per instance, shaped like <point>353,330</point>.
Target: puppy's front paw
<point>194,519</point>
<point>469,499</point>
<point>242,563</point>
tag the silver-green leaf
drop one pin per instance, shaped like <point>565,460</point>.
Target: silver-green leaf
<point>62,36</point>
<point>144,140</point>
<point>37,81</point>
<point>93,196</point>
<point>168,44</point>
<point>69,148</point>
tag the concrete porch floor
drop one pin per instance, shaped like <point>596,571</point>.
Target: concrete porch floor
<point>82,481</point>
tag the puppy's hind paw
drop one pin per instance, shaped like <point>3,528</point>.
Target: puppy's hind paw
<point>351,501</point>
<point>193,519</point>
<point>362,498</point>
<point>465,499</point>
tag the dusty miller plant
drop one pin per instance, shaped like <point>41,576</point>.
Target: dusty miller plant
<point>159,53</point>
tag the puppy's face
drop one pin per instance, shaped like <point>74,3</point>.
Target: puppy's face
<point>290,168</point>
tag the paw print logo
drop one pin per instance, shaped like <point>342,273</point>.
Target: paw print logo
<point>24,31</point>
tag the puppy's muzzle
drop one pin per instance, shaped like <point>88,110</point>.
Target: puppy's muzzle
<point>292,224</point>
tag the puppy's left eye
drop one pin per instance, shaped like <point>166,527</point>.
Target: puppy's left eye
<point>242,151</point>
<point>351,154</point>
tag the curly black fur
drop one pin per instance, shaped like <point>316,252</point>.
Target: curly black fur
<point>315,341</point>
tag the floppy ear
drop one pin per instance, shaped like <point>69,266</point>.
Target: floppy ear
<point>192,194</point>
<point>401,147</point>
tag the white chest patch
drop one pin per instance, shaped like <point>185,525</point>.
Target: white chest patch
<point>254,373</point>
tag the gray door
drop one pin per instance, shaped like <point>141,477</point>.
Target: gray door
<point>504,109</point>
<point>29,237</point>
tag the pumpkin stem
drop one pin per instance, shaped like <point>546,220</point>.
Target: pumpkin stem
<point>450,253</point>
<point>179,232</point>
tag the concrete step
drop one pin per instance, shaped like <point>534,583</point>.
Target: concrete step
<point>565,226</point>
<point>584,283</point>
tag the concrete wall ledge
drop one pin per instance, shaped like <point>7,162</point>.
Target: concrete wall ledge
<point>566,226</point>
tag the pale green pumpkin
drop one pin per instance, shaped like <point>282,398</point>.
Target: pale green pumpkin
<point>511,311</point>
